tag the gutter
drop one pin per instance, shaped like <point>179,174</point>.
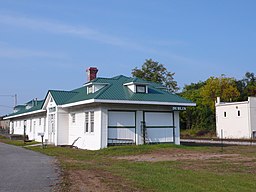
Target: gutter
<point>24,114</point>
<point>127,102</point>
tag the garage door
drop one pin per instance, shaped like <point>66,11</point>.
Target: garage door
<point>158,127</point>
<point>121,127</point>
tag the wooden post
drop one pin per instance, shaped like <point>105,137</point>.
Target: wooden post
<point>221,140</point>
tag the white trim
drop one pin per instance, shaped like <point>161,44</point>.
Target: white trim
<point>108,101</point>
<point>78,103</point>
<point>231,103</point>
<point>135,83</point>
<point>144,102</point>
<point>47,100</point>
<point>127,102</point>
<point>24,114</point>
<point>94,83</point>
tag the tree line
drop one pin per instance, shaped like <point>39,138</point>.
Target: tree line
<point>204,93</point>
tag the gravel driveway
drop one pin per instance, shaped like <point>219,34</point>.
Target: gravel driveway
<point>25,170</point>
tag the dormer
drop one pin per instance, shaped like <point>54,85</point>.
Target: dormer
<point>18,108</point>
<point>31,104</point>
<point>93,87</point>
<point>137,87</point>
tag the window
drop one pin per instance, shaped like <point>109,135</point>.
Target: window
<point>73,117</point>
<point>89,122</point>
<point>225,114</point>
<point>40,121</point>
<point>92,121</point>
<point>90,89</point>
<point>140,89</point>
<point>86,122</point>
<point>52,109</point>
<point>238,113</point>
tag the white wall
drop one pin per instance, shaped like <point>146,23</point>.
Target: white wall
<point>233,126</point>
<point>252,101</point>
<point>104,127</point>
<point>90,140</point>
<point>51,133</point>
<point>62,129</point>
<point>177,127</point>
<point>33,127</point>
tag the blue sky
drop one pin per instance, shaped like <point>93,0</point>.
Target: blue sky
<point>48,44</point>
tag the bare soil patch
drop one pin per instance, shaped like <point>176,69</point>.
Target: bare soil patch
<point>178,155</point>
<point>97,180</point>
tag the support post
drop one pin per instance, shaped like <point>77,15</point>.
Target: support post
<point>221,140</point>
<point>143,128</point>
<point>42,136</point>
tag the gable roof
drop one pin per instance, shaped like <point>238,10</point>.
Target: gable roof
<point>114,90</point>
<point>60,97</point>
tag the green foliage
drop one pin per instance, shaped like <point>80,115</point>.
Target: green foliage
<point>156,72</point>
<point>247,86</point>
<point>204,94</point>
<point>199,117</point>
<point>222,87</point>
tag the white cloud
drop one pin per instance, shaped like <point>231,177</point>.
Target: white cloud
<point>60,28</point>
<point>86,33</point>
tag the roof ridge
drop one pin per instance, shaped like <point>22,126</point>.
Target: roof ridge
<point>101,91</point>
<point>64,91</point>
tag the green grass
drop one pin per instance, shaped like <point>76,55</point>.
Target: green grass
<point>16,142</point>
<point>163,176</point>
<point>176,175</point>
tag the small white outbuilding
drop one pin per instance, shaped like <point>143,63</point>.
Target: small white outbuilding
<point>236,120</point>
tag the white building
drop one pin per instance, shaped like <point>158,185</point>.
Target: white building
<point>236,120</point>
<point>104,111</point>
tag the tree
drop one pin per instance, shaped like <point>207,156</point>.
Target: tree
<point>156,72</point>
<point>223,87</point>
<point>200,117</point>
<point>247,86</point>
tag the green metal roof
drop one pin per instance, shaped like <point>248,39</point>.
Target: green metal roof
<point>38,106</point>
<point>114,89</point>
<point>60,97</point>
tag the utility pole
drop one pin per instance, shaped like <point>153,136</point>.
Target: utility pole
<point>15,100</point>
<point>13,96</point>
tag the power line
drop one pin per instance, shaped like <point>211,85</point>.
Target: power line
<point>6,106</point>
<point>15,98</point>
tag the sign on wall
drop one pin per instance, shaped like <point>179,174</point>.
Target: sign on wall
<point>178,108</point>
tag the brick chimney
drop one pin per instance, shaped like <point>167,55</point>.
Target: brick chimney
<point>91,73</point>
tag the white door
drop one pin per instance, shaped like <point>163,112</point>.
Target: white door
<point>121,127</point>
<point>159,127</point>
<point>51,128</point>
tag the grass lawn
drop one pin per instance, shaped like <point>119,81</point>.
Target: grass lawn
<point>16,142</point>
<point>162,167</point>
